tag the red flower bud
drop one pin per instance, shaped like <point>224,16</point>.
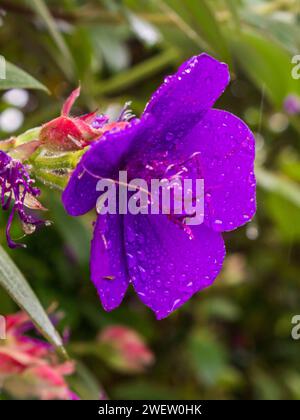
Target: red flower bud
<point>68,133</point>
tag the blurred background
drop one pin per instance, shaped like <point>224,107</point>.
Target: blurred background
<point>233,340</point>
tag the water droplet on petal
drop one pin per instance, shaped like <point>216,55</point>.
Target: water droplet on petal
<point>218,223</point>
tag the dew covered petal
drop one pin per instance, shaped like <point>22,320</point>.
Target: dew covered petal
<point>108,261</point>
<point>226,148</point>
<point>166,266</point>
<point>178,105</point>
<point>195,87</point>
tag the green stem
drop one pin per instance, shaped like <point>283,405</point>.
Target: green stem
<point>138,73</point>
<point>63,161</point>
<point>29,135</point>
<point>51,179</point>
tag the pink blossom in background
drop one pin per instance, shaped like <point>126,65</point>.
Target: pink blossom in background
<point>29,367</point>
<point>128,349</point>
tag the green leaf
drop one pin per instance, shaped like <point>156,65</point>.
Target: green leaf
<point>285,33</point>
<point>208,357</point>
<point>221,308</point>
<point>85,384</point>
<point>267,64</point>
<point>13,281</point>
<point>111,46</point>
<point>18,78</point>
<point>175,16</point>
<point>139,389</point>
<point>138,73</point>
<point>73,230</point>
<point>80,44</point>
<point>264,386</point>
<point>198,22</point>
<point>203,20</point>
<point>41,9</point>
<point>233,6</point>
<point>284,187</point>
<point>144,30</point>
<point>285,216</point>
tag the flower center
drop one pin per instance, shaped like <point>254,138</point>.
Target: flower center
<point>174,174</point>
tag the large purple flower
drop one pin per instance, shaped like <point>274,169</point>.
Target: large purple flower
<point>154,252</point>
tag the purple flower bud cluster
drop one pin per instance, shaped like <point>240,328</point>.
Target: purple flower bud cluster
<point>16,187</point>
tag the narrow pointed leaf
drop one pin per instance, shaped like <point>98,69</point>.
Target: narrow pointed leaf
<point>282,186</point>
<point>267,64</point>
<point>13,281</point>
<point>18,78</point>
<point>41,9</point>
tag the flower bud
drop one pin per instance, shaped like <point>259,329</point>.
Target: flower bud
<point>128,351</point>
<point>68,133</point>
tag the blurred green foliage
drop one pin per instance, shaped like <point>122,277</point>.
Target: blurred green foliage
<point>233,340</point>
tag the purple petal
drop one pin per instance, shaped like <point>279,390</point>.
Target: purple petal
<point>180,103</point>
<point>227,152</point>
<point>108,261</point>
<point>195,87</point>
<point>102,160</point>
<point>166,267</point>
